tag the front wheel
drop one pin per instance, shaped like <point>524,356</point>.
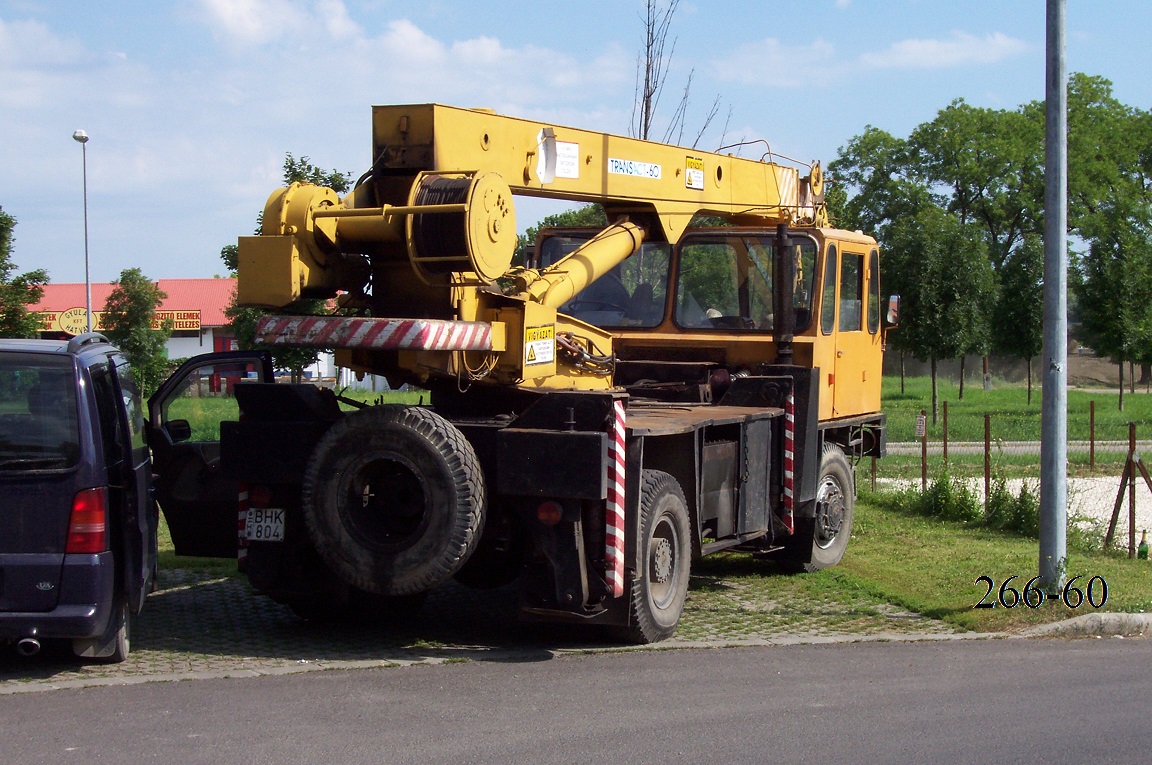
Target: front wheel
<point>820,542</point>
<point>660,585</point>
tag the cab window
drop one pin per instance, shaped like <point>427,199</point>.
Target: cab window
<point>828,298</point>
<point>874,292</point>
<point>851,292</point>
<point>726,282</point>
<point>632,294</point>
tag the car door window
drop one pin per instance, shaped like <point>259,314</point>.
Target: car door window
<point>205,397</point>
<point>38,421</point>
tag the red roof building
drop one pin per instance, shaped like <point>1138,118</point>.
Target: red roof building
<point>195,306</point>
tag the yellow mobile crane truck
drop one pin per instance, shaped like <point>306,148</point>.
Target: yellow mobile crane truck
<point>626,400</point>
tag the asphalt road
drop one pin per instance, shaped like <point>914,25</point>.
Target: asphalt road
<point>996,701</point>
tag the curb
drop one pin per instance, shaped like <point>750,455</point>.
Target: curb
<point>1089,625</point>
<point>1095,625</point>
<point>432,659</point>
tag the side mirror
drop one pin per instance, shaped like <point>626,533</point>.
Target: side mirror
<point>178,430</point>
<point>892,318</point>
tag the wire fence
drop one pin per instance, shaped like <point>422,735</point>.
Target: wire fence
<point>1106,476</point>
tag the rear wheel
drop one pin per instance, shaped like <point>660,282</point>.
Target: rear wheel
<point>393,497</point>
<point>820,542</point>
<point>113,646</point>
<point>660,587</point>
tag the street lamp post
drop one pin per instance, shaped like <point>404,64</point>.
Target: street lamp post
<point>82,138</point>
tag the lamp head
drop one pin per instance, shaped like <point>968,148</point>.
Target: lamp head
<point>80,136</point>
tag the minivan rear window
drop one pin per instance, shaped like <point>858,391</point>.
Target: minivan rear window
<point>38,421</point>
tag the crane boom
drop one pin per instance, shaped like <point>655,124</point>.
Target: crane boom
<point>625,175</point>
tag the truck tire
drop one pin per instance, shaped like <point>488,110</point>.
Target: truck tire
<point>820,542</point>
<point>660,587</point>
<point>393,497</point>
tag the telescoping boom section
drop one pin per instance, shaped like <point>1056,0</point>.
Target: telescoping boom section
<point>599,406</point>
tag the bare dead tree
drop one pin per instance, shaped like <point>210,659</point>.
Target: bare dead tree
<point>652,66</point>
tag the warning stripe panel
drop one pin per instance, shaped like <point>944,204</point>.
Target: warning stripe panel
<point>614,525</point>
<point>789,462</point>
<point>360,332</point>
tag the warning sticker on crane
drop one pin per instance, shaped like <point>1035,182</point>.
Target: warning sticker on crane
<point>540,345</point>
<point>694,173</point>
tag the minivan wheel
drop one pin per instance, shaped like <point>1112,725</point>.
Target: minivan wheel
<point>113,645</point>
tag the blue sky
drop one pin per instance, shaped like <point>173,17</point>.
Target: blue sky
<point>192,104</point>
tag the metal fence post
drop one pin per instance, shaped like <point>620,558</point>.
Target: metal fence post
<point>1132,490</point>
<point>945,434</point>
<point>924,453</point>
<point>987,460</point>
<point>1092,436</point>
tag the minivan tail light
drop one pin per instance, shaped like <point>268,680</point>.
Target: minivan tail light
<point>88,527</point>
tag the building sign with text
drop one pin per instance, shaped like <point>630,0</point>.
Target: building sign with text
<point>74,321</point>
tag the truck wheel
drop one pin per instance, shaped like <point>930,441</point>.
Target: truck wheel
<point>660,586</point>
<point>820,542</point>
<point>393,497</point>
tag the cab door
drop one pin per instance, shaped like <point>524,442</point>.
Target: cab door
<point>184,417</point>
<point>858,356</point>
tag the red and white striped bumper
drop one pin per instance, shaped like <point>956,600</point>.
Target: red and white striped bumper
<point>353,332</point>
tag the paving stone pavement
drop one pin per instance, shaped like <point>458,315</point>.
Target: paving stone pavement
<point>203,625</point>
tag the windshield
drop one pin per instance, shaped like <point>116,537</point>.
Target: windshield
<point>726,281</point>
<point>38,426</point>
<point>630,295</point>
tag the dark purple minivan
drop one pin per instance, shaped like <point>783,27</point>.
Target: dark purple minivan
<point>77,521</point>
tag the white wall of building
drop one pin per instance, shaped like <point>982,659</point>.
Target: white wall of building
<point>182,347</point>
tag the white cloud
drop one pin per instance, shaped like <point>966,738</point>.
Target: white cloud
<point>285,76</point>
<point>255,21</point>
<point>962,49</point>
<point>775,63</point>
<point>779,64</point>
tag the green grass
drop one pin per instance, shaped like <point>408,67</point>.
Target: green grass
<point>1013,418</point>
<point>930,566</point>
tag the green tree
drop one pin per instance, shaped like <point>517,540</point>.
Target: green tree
<point>876,166</point>
<point>18,291</point>
<point>129,315</point>
<point>988,164</point>
<point>1019,315</point>
<point>946,285</point>
<point>1110,193</point>
<point>1114,287</point>
<point>588,215</point>
<point>242,321</point>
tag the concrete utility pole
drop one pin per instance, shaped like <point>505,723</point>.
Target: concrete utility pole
<point>1054,425</point>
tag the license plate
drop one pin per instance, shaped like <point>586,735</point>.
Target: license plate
<point>265,524</point>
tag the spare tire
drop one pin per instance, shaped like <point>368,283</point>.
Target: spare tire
<point>393,497</point>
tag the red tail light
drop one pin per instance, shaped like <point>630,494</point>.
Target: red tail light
<point>88,528</point>
<point>549,512</point>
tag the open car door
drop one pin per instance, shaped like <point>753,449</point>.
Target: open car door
<point>184,417</point>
